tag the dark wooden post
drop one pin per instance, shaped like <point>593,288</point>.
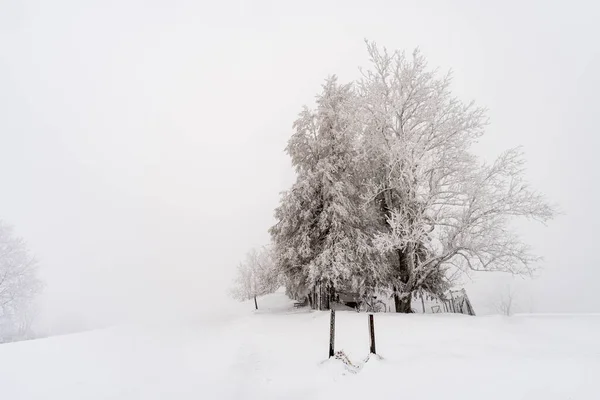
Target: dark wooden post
<point>331,333</point>
<point>255,303</point>
<point>453,307</point>
<point>372,333</point>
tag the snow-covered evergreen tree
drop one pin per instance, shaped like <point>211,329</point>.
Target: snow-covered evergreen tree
<point>322,237</point>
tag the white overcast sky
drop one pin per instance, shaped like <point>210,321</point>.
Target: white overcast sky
<point>141,142</point>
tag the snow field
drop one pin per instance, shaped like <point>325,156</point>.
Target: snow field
<point>281,353</point>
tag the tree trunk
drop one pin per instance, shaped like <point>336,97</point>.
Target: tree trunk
<point>323,296</point>
<point>397,301</point>
<point>403,305</point>
<point>319,297</point>
<point>255,303</point>
<point>330,295</point>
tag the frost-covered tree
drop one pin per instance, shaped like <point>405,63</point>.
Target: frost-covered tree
<point>322,238</point>
<point>389,191</point>
<point>256,276</point>
<point>19,285</point>
<point>443,207</point>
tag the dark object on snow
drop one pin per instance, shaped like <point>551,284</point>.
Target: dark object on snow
<point>372,334</point>
<point>331,333</point>
<point>303,303</point>
<point>459,302</point>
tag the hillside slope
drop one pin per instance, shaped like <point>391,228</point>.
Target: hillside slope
<point>279,352</point>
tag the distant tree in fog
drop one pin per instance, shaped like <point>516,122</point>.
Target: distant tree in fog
<point>505,302</point>
<point>256,276</point>
<point>19,285</point>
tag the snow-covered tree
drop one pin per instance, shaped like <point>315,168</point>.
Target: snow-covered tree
<point>19,285</point>
<point>443,207</point>
<point>256,276</point>
<point>389,191</point>
<point>322,238</point>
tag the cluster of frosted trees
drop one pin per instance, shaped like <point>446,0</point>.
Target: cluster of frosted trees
<point>389,195</point>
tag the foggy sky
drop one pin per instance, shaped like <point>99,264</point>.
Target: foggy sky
<point>141,142</point>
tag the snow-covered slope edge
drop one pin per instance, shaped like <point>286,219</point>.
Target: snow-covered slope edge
<point>281,352</point>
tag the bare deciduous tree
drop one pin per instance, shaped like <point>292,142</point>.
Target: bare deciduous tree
<point>506,301</point>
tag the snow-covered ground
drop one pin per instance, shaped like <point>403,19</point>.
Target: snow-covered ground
<point>281,353</point>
